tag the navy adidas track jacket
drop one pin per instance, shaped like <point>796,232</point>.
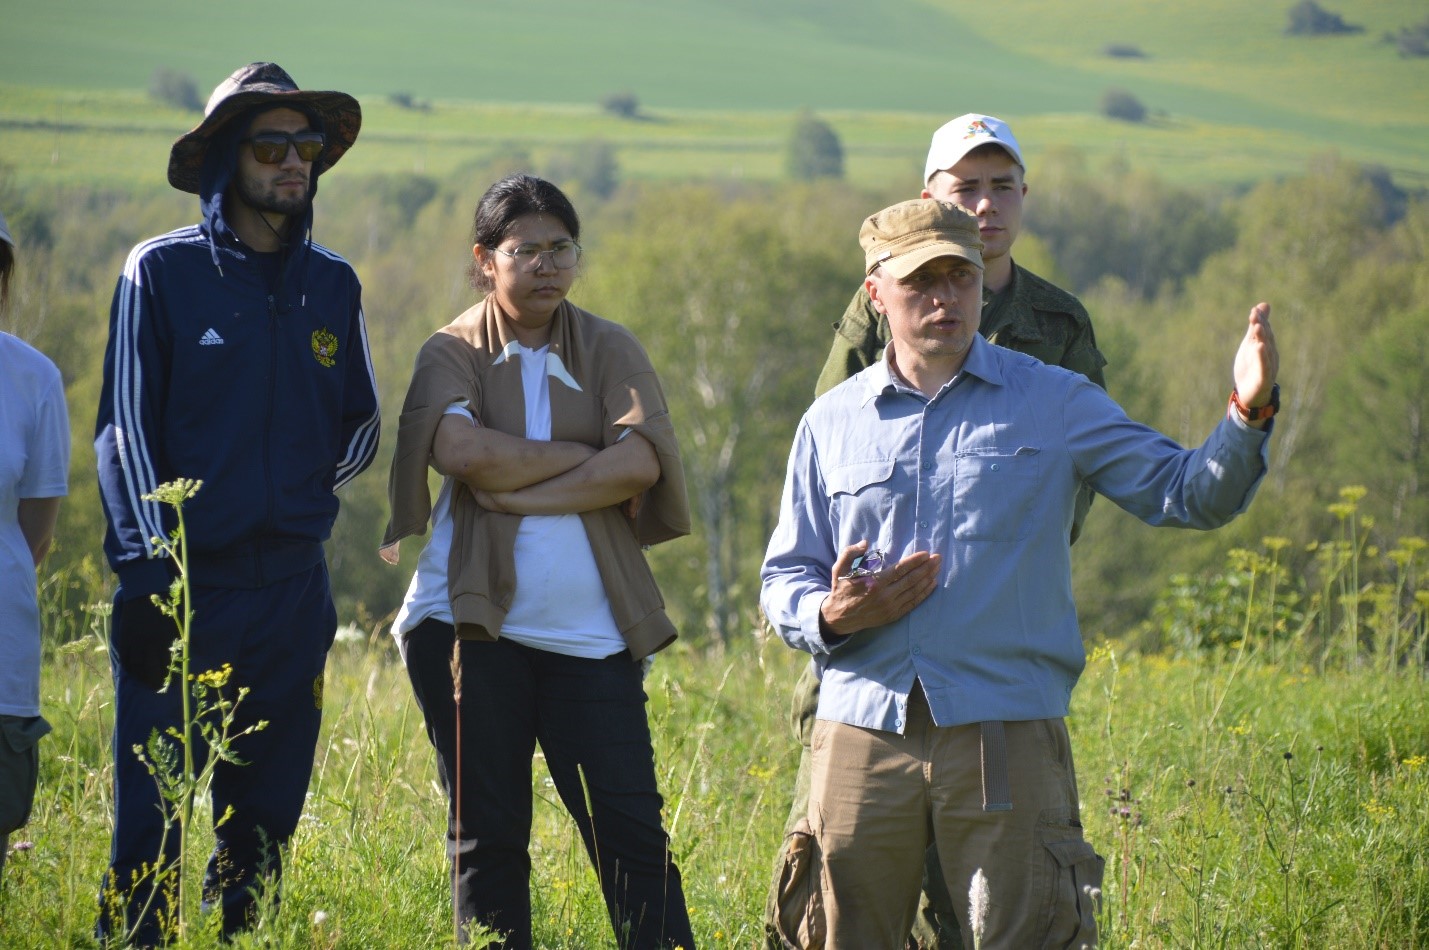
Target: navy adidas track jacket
<point>248,371</point>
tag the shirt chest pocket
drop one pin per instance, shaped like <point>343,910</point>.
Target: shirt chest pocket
<point>993,495</point>
<point>862,497</point>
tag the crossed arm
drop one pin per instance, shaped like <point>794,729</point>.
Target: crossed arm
<point>529,477</point>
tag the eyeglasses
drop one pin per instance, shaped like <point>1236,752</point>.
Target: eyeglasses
<point>565,255</point>
<point>270,148</point>
<point>866,565</point>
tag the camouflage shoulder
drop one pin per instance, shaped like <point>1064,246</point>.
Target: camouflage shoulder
<point>859,321</point>
<point>1042,294</point>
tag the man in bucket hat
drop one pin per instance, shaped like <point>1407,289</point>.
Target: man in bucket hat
<point>922,556</point>
<point>237,356</point>
<point>976,163</point>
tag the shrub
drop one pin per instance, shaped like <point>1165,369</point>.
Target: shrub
<point>1411,41</point>
<point>622,104</point>
<point>1120,104</point>
<point>1123,51</point>
<point>590,165</point>
<point>405,100</point>
<point>813,150</point>
<point>176,89</point>
<point>1308,18</point>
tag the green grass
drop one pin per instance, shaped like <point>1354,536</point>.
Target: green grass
<point>1265,791</point>
<point>1225,839</point>
<point>1233,100</point>
<point>121,139</point>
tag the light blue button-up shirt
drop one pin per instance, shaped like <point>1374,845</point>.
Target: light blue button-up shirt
<point>986,474</point>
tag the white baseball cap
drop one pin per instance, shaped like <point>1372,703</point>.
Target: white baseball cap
<point>965,133</point>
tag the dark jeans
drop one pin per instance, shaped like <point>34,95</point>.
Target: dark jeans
<point>589,718</point>
<point>276,638</point>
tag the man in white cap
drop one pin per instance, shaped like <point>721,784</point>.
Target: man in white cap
<point>922,557</point>
<point>975,163</point>
<point>238,357</point>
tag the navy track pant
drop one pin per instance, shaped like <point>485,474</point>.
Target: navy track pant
<point>276,639</point>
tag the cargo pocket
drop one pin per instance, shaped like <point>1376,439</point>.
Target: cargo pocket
<point>1076,892</point>
<point>19,768</point>
<point>799,917</point>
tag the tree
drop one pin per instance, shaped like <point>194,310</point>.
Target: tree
<point>813,150</point>
<point>1124,224</point>
<point>1123,51</point>
<point>176,89</point>
<point>1411,41</point>
<point>624,105</point>
<point>590,165</point>
<point>1308,18</point>
<point>733,305</point>
<point>1120,104</point>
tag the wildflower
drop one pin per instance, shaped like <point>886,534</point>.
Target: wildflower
<point>1289,756</point>
<point>1378,809</point>
<point>216,678</point>
<point>977,906</point>
<point>319,917</point>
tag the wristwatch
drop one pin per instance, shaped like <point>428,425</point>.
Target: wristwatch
<point>1256,413</point>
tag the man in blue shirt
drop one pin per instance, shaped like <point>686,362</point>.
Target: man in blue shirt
<point>922,557</point>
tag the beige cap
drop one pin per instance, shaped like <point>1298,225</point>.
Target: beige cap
<point>906,236</point>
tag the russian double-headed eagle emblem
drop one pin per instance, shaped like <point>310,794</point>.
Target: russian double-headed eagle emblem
<point>325,346</point>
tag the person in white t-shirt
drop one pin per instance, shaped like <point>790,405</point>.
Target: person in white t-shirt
<point>532,593</point>
<point>34,471</point>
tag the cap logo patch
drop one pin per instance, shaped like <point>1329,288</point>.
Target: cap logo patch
<point>979,127</point>
<point>325,347</point>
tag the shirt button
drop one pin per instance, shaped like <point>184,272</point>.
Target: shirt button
<point>927,466</point>
<point>898,723</point>
<point>994,466</point>
<point>922,524</point>
<point>917,651</point>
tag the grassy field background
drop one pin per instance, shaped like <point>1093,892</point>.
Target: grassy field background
<point>1232,100</point>
<point>1267,795</point>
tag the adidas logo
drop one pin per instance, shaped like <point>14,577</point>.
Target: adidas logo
<point>210,338</point>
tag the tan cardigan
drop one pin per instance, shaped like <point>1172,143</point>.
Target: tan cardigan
<point>618,390</point>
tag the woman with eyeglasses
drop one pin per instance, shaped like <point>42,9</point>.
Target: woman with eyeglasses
<point>532,607</point>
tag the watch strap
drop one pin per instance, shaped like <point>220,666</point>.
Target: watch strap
<point>1256,413</point>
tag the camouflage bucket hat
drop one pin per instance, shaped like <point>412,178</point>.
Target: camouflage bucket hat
<point>264,84</point>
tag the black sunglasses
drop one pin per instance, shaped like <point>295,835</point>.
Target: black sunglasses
<point>270,148</point>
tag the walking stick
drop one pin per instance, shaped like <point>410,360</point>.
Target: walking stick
<point>456,791</point>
